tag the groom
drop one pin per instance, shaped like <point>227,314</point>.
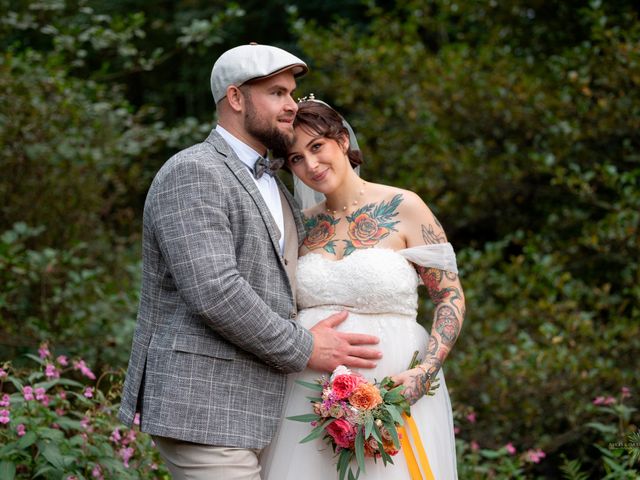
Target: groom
<point>216,329</point>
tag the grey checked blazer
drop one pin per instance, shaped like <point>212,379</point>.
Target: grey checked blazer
<point>216,330</point>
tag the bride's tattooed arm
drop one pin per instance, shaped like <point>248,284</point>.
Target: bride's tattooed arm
<point>446,293</point>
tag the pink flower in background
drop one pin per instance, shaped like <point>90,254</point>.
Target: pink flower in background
<point>130,437</point>
<point>43,351</point>
<point>3,373</point>
<point>97,472</point>
<point>88,392</point>
<point>6,401</point>
<point>136,419</point>
<point>456,430</point>
<point>62,360</point>
<point>51,371</point>
<point>21,430</point>
<point>4,416</point>
<point>115,436</point>
<point>471,417</point>
<point>534,456</point>
<point>474,446</point>
<point>27,392</point>
<point>604,401</point>
<point>59,411</point>
<point>84,423</point>
<point>126,454</point>
<point>626,392</point>
<point>62,395</point>
<point>86,371</point>
<point>40,393</point>
<point>511,450</point>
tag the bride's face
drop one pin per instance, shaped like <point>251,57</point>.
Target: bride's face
<point>320,162</point>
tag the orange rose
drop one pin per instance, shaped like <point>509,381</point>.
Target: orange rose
<point>320,234</point>
<point>365,231</point>
<point>365,397</point>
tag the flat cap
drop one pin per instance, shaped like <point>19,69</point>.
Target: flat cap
<point>249,62</point>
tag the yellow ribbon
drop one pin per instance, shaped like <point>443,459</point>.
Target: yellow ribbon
<point>414,470</point>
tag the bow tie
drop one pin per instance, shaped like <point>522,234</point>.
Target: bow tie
<point>264,165</point>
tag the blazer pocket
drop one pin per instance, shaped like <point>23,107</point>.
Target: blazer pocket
<point>207,346</point>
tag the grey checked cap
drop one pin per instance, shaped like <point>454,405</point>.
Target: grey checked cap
<point>248,62</point>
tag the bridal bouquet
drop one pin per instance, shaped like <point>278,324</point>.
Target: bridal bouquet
<point>358,418</point>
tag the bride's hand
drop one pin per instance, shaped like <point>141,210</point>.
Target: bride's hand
<point>416,384</point>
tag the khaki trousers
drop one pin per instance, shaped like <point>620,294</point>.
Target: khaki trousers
<point>193,461</point>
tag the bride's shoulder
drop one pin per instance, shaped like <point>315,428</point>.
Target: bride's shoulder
<point>406,199</point>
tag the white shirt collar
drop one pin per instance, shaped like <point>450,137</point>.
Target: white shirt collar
<point>245,153</point>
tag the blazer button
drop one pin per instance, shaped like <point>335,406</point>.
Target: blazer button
<point>293,315</point>
<point>286,262</point>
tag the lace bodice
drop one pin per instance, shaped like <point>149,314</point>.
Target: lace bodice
<point>375,280</point>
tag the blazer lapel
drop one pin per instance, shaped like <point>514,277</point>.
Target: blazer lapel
<point>243,175</point>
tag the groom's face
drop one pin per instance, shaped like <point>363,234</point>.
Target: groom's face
<point>270,110</point>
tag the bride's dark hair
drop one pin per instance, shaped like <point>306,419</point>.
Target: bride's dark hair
<point>318,119</point>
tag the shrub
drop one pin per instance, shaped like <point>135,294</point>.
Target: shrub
<point>58,420</point>
<point>67,296</point>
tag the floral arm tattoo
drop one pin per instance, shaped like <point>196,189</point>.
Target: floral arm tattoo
<point>446,293</point>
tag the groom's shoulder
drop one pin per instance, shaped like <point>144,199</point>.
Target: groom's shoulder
<point>205,156</point>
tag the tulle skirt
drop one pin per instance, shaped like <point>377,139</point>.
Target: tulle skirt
<point>288,459</point>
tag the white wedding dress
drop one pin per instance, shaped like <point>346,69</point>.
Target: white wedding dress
<point>379,289</point>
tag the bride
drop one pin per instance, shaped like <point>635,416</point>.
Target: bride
<point>367,248</point>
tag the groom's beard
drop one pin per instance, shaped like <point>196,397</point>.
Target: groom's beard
<point>270,136</point>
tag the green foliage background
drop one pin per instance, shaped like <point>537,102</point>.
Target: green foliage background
<point>517,122</point>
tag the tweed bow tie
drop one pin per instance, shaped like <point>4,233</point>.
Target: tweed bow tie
<point>264,165</point>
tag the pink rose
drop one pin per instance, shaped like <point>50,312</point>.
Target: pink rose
<point>342,433</point>
<point>344,385</point>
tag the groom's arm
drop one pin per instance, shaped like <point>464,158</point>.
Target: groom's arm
<point>195,238</point>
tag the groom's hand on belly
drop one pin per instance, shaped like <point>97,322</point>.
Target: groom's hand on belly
<point>332,348</point>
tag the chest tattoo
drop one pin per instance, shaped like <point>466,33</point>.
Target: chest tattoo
<point>366,227</point>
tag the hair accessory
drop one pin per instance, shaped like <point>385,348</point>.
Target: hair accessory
<point>311,98</point>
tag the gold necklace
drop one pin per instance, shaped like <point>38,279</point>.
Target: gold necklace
<point>354,203</point>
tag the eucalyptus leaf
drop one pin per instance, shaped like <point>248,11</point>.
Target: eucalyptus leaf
<point>307,417</point>
<point>312,386</point>
<point>359,448</point>
<point>317,431</point>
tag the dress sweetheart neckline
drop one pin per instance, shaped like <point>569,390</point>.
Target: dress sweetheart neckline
<point>347,257</point>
